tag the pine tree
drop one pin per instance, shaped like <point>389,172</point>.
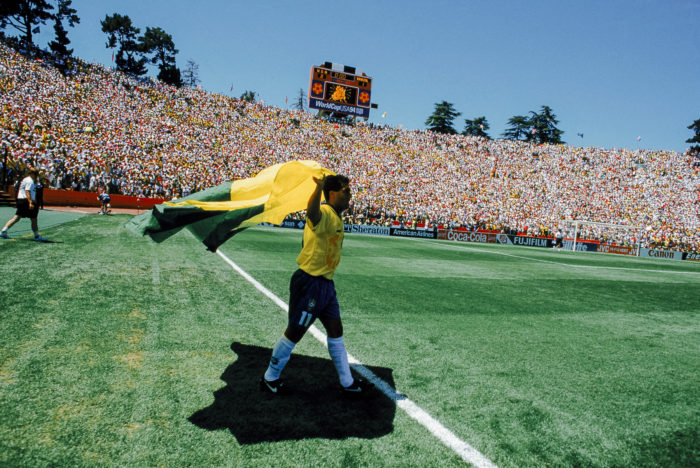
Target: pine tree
<point>695,126</point>
<point>539,127</point>
<point>442,118</point>
<point>159,43</point>
<point>120,32</point>
<point>519,128</point>
<point>249,96</point>
<point>25,16</point>
<point>59,46</point>
<point>476,127</point>
<point>190,76</point>
<point>300,101</point>
<point>544,127</point>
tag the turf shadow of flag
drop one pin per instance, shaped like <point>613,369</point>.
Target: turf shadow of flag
<point>314,409</point>
<point>216,214</point>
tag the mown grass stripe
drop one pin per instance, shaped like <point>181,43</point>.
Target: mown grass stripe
<point>572,265</point>
<point>468,453</point>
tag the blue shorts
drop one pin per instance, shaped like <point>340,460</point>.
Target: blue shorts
<point>311,297</point>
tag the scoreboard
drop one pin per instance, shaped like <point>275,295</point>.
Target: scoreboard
<point>340,89</point>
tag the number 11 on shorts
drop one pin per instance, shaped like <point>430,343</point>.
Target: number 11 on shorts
<point>305,319</point>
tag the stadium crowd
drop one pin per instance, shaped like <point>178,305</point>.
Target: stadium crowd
<point>95,128</point>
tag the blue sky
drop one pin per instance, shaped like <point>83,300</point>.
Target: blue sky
<point>612,70</point>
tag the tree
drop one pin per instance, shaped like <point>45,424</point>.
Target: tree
<point>540,127</point>
<point>9,13</point>
<point>300,102</point>
<point>59,46</point>
<point>519,128</point>
<point>544,127</point>
<point>170,75</point>
<point>190,77</point>
<point>441,119</point>
<point>25,16</point>
<point>160,44</point>
<point>476,127</point>
<point>120,32</point>
<point>695,126</point>
<point>248,96</point>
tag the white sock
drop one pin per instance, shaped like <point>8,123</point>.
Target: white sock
<point>336,348</point>
<point>280,356</point>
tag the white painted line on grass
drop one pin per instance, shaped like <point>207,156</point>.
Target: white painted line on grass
<point>468,453</point>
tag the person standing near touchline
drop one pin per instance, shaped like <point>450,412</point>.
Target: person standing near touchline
<point>26,205</point>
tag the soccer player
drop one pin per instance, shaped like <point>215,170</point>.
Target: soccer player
<point>27,206</point>
<point>311,289</point>
<point>559,240</point>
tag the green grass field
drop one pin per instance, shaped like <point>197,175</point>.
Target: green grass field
<point>116,351</point>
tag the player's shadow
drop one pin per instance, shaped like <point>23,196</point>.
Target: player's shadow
<point>314,409</point>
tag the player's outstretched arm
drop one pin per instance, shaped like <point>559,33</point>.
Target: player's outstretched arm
<point>313,210</point>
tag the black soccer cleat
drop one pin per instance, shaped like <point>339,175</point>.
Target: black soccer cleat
<point>275,387</point>
<point>359,388</point>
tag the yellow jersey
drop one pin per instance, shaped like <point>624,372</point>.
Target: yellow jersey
<point>320,254</point>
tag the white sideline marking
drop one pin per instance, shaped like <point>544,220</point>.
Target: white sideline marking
<point>468,453</point>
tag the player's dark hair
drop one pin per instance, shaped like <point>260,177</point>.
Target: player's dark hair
<point>333,183</point>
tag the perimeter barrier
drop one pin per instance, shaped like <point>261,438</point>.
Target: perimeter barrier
<point>483,237</point>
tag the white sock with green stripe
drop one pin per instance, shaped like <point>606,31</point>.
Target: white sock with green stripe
<point>336,348</point>
<point>280,356</point>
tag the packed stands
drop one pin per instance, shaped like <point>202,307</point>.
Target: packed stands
<point>95,127</point>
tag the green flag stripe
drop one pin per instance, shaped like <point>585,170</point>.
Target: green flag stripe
<point>216,230</point>
<point>221,192</point>
<point>164,221</point>
<point>213,228</point>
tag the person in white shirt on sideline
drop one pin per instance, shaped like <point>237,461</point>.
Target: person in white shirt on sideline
<point>26,205</point>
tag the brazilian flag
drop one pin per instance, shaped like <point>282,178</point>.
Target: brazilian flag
<point>216,214</point>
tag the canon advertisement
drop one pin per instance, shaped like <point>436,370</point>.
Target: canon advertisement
<point>665,254</point>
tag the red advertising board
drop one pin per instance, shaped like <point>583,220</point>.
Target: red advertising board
<point>617,249</point>
<point>468,236</point>
<point>72,198</point>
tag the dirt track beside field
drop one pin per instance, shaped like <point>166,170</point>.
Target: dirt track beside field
<point>94,210</point>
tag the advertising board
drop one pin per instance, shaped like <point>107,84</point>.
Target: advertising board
<point>657,253</point>
<point>424,234</point>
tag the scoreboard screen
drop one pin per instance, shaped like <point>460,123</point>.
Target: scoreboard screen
<point>341,93</point>
<point>336,88</point>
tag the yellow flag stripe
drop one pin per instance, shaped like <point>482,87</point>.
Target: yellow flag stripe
<point>283,188</point>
